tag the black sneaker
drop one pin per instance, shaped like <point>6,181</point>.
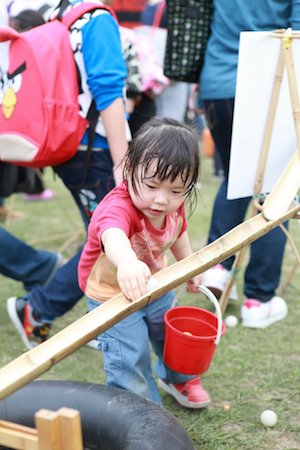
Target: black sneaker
<point>30,330</point>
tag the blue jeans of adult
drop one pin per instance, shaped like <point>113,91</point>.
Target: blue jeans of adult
<point>126,349</point>
<point>262,275</point>
<point>23,263</point>
<point>88,178</point>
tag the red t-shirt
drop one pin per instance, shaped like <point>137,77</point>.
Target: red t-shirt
<point>97,275</point>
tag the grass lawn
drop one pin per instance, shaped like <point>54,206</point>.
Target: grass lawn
<point>252,370</point>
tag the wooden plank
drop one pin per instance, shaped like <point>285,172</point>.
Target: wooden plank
<point>18,436</point>
<point>70,429</point>
<point>47,425</point>
<point>284,192</point>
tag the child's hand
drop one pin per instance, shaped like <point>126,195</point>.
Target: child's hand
<point>193,284</point>
<point>133,278</point>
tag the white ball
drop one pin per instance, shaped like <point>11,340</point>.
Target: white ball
<point>268,418</point>
<point>152,284</point>
<point>231,321</point>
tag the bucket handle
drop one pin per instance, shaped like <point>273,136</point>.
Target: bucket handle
<point>208,293</point>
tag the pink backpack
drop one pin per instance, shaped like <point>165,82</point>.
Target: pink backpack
<point>40,121</point>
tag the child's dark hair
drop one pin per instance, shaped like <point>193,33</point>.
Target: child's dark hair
<point>173,144</point>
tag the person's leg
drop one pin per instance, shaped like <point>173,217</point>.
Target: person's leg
<point>262,307</point>
<point>262,280</point>
<point>39,191</point>
<point>263,271</point>
<point>24,263</point>
<point>173,101</point>
<point>126,352</point>
<point>60,294</point>
<point>226,213</point>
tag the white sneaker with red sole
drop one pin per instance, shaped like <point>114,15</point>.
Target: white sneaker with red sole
<point>256,314</point>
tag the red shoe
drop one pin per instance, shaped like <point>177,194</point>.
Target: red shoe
<point>190,394</point>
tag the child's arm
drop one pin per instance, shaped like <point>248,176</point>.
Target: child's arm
<point>132,273</point>
<point>181,249</point>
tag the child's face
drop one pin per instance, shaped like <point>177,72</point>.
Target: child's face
<point>155,198</point>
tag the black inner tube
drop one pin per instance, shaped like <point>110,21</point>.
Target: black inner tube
<point>112,418</point>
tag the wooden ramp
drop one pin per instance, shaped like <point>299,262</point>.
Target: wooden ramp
<point>37,361</point>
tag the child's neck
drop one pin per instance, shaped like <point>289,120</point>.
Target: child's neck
<point>159,223</point>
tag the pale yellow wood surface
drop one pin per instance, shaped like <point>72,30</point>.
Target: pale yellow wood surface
<point>267,136</point>
<point>18,436</point>
<point>292,83</point>
<point>70,429</point>
<point>285,190</point>
<point>59,430</point>
<point>47,425</point>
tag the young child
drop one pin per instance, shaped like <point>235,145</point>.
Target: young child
<point>129,233</point>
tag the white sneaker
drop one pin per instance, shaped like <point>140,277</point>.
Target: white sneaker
<point>216,279</point>
<point>256,314</point>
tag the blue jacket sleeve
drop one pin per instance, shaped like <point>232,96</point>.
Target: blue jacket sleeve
<point>103,59</point>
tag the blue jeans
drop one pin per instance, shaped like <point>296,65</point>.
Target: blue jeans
<point>88,182</point>
<point>126,350</point>
<point>23,263</point>
<point>262,275</point>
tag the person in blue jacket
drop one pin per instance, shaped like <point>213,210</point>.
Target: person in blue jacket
<point>261,306</point>
<point>88,176</point>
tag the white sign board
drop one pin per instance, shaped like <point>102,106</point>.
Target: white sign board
<point>257,66</point>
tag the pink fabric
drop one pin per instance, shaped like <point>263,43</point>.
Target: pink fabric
<point>252,303</point>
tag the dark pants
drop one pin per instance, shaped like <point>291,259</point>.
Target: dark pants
<point>263,271</point>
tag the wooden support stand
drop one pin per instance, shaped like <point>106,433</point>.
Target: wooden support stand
<point>59,430</point>
<point>288,187</point>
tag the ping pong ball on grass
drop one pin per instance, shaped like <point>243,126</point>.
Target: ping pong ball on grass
<point>231,321</point>
<point>152,284</point>
<point>268,418</point>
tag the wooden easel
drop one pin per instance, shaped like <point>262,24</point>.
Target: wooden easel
<point>285,61</point>
<point>59,430</point>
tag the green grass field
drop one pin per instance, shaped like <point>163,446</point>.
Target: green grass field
<point>252,370</point>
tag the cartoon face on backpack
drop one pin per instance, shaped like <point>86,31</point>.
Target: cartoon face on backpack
<point>10,84</point>
<point>40,123</point>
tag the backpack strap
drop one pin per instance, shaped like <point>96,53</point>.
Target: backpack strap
<point>75,13</point>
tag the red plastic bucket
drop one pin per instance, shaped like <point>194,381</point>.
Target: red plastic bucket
<point>191,337</point>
